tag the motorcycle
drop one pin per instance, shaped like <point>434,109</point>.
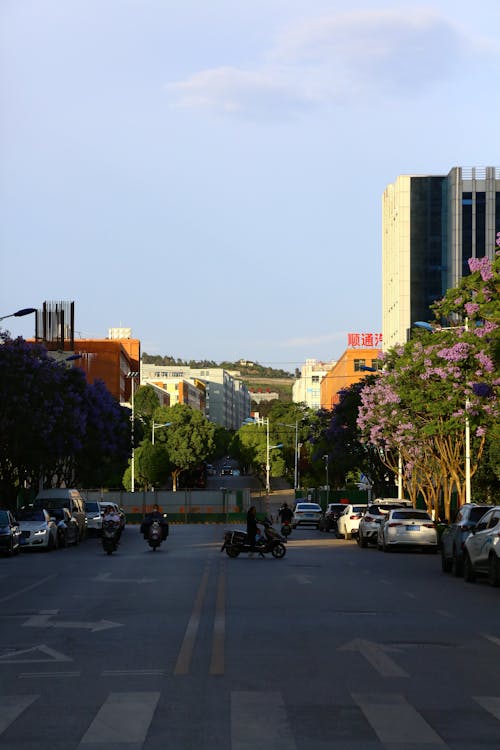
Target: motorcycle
<point>286,528</point>
<point>236,541</point>
<point>110,536</point>
<point>155,535</point>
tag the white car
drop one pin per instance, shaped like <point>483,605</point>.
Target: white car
<point>482,548</point>
<point>376,511</point>
<point>348,521</point>
<point>306,514</point>
<point>38,529</point>
<point>407,527</point>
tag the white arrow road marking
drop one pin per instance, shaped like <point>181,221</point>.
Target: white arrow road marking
<point>375,654</point>
<point>491,638</point>
<point>396,722</point>
<point>21,657</point>
<point>12,706</point>
<point>106,578</point>
<point>43,620</point>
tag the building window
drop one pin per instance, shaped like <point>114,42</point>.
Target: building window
<point>358,364</point>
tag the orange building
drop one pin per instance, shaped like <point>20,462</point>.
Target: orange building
<point>346,372</point>
<point>110,360</point>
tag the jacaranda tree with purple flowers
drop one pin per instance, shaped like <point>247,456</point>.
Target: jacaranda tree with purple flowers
<point>53,425</point>
<point>418,405</point>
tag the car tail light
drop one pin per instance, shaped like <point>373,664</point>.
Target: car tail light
<point>353,518</point>
<point>428,525</point>
<point>370,519</point>
<point>394,524</point>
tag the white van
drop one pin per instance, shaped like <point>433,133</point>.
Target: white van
<point>59,497</point>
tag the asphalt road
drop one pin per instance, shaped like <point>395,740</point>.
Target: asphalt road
<point>332,647</point>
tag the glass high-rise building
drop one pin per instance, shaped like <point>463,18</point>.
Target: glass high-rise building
<point>431,226</point>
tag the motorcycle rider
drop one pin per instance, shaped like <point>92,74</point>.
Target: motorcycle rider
<point>252,530</point>
<point>154,515</point>
<point>285,513</point>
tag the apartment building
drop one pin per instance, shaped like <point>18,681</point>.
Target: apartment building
<point>307,388</point>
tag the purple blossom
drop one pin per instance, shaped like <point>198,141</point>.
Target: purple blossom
<point>480,432</point>
<point>485,361</point>
<point>456,353</point>
<point>471,308</point>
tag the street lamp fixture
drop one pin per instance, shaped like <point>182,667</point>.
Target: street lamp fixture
<point>157,427</point>
<point>20,313</point>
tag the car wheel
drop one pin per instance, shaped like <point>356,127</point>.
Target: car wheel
<point>361,540</point>
<point>63,541</point>
<point>445,563</point>
<point>347,535</point>
<point>469,574</point>
<point>385,547</point>
<point>494,570</point>
<point>457,565</point>
<point>379,545</point>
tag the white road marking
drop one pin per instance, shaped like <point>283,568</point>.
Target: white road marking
<point>124,718</point>
<point>491,638</point>
<point>43,620</point>
<point>18,592</point>
<point>490,703</point>
<point>395,721</point>
<point>22,657</point>
<point>11,706</point>
<point>133,672</point>
<point>259,719</point>
<point>375,654</point>
<point>44,675</point>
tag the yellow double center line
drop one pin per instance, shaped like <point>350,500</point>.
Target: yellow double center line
<point>184,658</point>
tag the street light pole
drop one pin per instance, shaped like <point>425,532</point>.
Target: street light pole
<point>327,458</point>
<point>132,376</point>
<point>157,427</point>
<point>20,313</point>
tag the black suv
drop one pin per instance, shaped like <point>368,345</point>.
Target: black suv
<point>10,533</point>
<point>454,536</point>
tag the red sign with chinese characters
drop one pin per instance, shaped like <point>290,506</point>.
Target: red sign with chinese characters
<point>364,340</point>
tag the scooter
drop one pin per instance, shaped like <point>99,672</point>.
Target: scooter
<point>110,536</point>
<point>155,535</point>
<point>236,541</point>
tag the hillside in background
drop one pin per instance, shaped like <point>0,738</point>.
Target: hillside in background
<point>256,377</point>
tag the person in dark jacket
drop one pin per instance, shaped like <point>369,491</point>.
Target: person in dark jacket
<point>155,515</point>
<point>252,528</point>
<point>285,513</point>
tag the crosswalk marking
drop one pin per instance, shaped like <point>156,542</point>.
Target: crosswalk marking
<point>490,703</point>
<point>395,720</point>
<point>257,715</point>
<point>124,718</point>
<point>11,706</point>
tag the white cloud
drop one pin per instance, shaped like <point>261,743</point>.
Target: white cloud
<point>335,59</point>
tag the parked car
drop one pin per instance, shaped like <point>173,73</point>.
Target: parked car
<point>369,523</point>
<point>37,529</point>
<point>59,497</point>
<point>348,521</point>
<point>10,533</point>
<point>407,527</point>
<point>226,471</point>
<point>93,515</point>
<point>454,536</point>
<point>482,549</point>
<point>328,519</point>
<point>67,527</point>
<point>306,514</point>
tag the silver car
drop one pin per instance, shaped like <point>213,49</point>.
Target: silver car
<point>38,529</point>
<point>306,514</point>
<point>407,527</point>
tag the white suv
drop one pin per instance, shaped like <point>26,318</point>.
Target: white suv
<point>482,548</point>
<point>348,521</point>
<point>375,513</point>
<point>306,514</point>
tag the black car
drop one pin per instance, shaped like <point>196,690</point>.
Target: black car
<point>454,536</point>
<point>328,519</point>
<point>10,534</point>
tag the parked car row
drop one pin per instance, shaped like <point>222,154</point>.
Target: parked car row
<point>470,546</point>
<point>56,518</point>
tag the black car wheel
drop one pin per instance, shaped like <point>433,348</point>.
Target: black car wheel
<point>469,573</point>
<point>494,570</point>
<point>361,540</point>
<point>457,565</point>
<point>445,563</point>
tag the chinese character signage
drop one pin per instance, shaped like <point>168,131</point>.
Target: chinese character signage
<point>364,340</point>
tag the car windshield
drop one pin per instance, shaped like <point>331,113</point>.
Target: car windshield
<point>359,508</point>
<point>308,506</point>
<point>50,503</point>
<point>92,507</point>
<point>381,509</point>
<point>335,508</point>
<point>57,513</point>
<point>4,518</point>
<point>477,513</point>
<point>420,514</point>
<point>31,515</point>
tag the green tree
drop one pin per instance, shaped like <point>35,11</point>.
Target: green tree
<point>189,440</point>
<point>146,402</point>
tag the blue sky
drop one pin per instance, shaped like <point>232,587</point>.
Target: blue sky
<point>210,174</point>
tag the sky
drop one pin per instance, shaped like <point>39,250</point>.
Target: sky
<point>210,174</point>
